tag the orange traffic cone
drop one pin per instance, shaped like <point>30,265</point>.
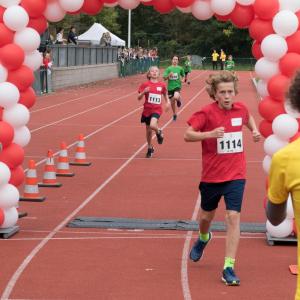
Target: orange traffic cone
<point>49,177</point>
<point>80,157</point>
<point>31,189</point>
<point>63,168</point>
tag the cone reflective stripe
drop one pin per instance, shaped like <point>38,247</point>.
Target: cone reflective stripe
<point>63,166</point>
<point>49,177</point>
<point>31,189</point>
<point>80,156</point>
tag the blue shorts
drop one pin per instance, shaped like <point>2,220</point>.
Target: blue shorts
<point>211,194</point>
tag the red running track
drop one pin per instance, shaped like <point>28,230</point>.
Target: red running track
<point>47,260</point>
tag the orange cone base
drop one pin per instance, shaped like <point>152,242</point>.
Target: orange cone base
<point>32,199</point>
<point>22,214</point>
<point>49,184</point>
<point>80,164</point>
<point>65,174</point>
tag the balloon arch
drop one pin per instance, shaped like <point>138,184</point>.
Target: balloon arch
<point>272,24</point>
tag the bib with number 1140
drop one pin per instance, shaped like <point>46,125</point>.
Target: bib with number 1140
<point>231,142</point>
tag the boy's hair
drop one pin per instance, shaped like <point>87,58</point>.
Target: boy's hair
<point>294,92</point>
<point>148,72</point>
<point>215,79</point>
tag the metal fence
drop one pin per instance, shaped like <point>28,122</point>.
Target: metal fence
<point>136,66</point>
<point>79,55</point>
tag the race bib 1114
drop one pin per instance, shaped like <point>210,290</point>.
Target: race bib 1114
<point>231,142</point>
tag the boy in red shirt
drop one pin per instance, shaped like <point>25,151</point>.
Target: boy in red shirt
<point>153,90</point>
<point>219,128</point>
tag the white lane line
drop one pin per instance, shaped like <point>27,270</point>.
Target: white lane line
<point>82,112</point>
<point>13,280</point>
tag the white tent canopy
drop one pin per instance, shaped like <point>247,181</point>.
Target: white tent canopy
<point>94,35</point>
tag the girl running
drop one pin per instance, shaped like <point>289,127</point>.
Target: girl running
<point>153,90</point>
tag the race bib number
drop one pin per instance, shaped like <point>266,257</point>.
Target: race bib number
<point>174,76</point>
<point>231,142</point>
<point>154,98</point>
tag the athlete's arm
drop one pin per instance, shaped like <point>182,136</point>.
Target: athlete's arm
<point>276,213</point>
<point>167,100</point>
<point>252,127</point>
<point>145,91</point>
<point>191,135</point>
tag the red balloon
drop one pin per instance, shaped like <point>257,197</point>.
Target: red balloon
<point>222,18</point>
<point>183,3</point>
<point>22,78</point>
<point>269,108</point>
<point>295,137</point>
<point>259,29</point>
<point>17,176</point>
<point>28,97</point>
<point>1,216</point>
<point>109,1</point>
<point>278,86</point>
<point>6,134</point>
<point>265,128</point>
<point>266,9</point>
<point>256,50</point>
<point>34,8</point>
<point>242,15</point>
<point>39,24</point>
<point>150,3</point>
<point>92,7</point>
<point>7,36</point>
<point>1,112</point>
<point>12,56</point>
<point>2,10</point>
<point>163,6</point>
<point>293,42</point>
<point>13,155</point>
<point>289,64</point>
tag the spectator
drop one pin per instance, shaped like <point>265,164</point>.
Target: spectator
<point>222,59</point>
<point>45,72</point>
<point>215,56</point>
<point>72,37</point>
<point>60,36</point>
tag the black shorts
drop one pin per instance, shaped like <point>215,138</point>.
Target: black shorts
<point>171,93</point>
<point>186,72</point>
<point>147,120</point>
<point>232,191</point>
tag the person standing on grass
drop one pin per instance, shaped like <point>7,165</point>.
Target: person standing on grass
<point>174,74</point>
<point>214,59</point>
<point>187,69</point>
<point>153,90</point>
<point>218,126</point>
<point>284,177</point>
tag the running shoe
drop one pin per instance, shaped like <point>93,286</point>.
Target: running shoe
<point>178,103</point>
<point>189,82</point>
<point>150,152</point>
<point>197,250</point>
<point>174,117</point>
<point>160,137</point>
<point>229,277</point>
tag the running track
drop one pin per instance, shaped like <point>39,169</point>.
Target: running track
<point>47,260</point>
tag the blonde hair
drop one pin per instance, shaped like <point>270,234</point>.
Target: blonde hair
<point>148,72</point>
<point>215,79</point>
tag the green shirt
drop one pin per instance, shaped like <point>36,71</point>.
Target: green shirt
<point>175,81</point>
<point>229,65</point>
<point>188,66</point>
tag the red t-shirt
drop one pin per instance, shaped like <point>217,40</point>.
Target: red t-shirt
<point>153,99</point>
<point>222,159</point>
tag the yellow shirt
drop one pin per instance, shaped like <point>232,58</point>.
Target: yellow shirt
<point>223,56</point>
<point>215,56</point>
<point>284,178</point>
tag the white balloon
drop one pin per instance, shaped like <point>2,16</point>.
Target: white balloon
<point>272,144</point>
<point>28,39</point>
<point>290,110</point>
<point>274,47</point>
<point>71,6</point>
<point>292,5</point>
<point>9,94</point>
<point>265,68</point>
<point>15,18</point>
<point>223,7</point>
<point>267,163</point>
<point>262,88</point>
<point>3,73</point>
<point>201,10</point>
<point>16,116</point>
<point>8,3</point>
<point>33,60</point>
<point>283,230</point>
<point>129,4</point>
<point>11,217</point>
<point>9,196</point>
<point>4,173</point>
<point>290,208</point>
<point>285,126</point>
<point>245,2</point>
<point>54,12</point>
<point>285,23</point>
<point>22,136</point>
<point>185,10</point>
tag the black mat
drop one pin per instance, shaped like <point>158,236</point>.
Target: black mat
<point>126,223</point>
